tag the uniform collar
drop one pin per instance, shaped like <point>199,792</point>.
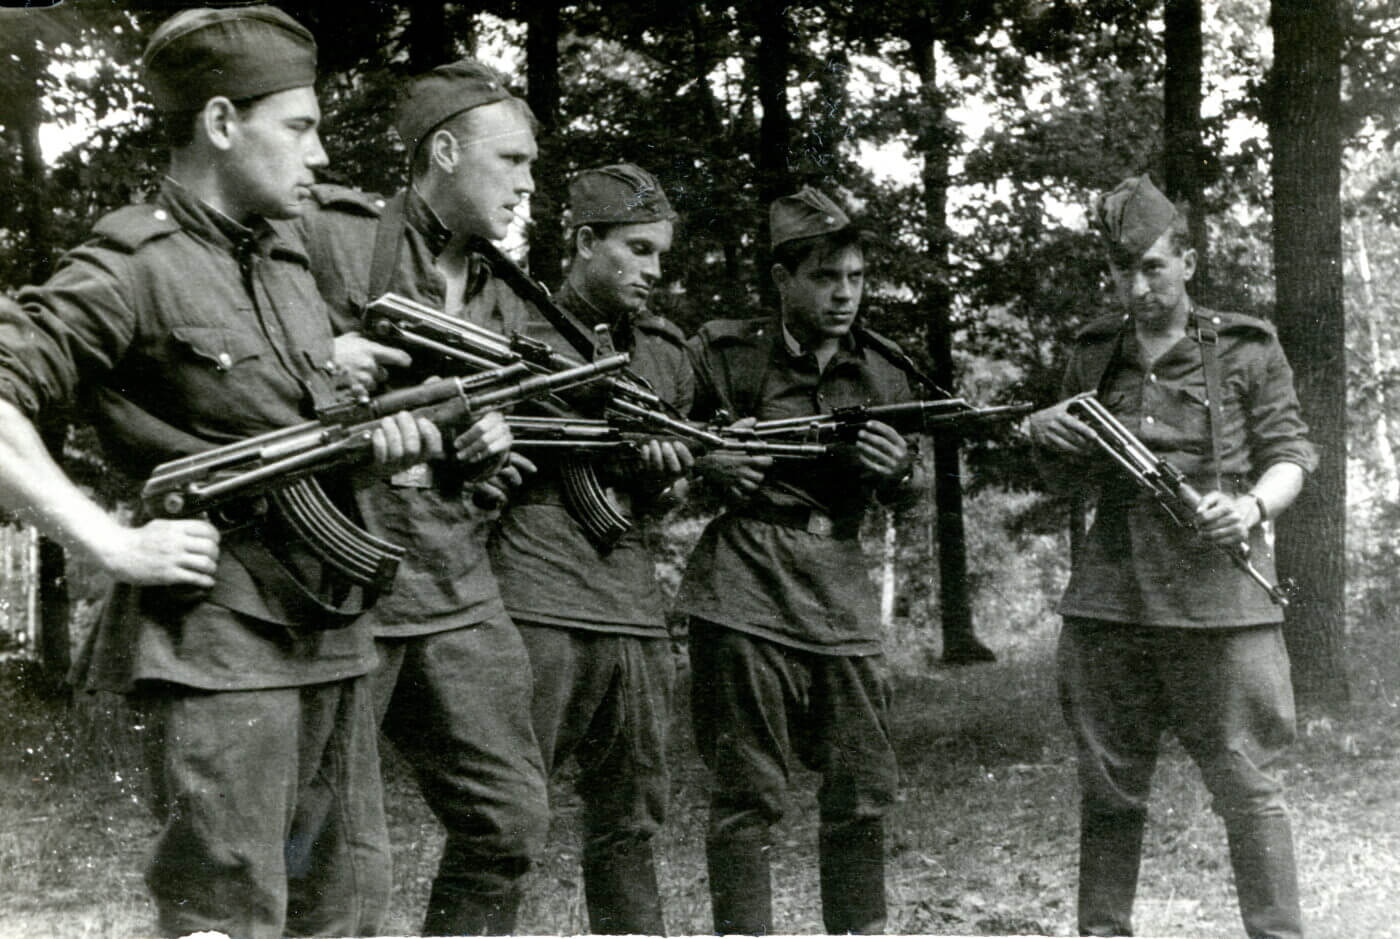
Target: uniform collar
<point>425,220</point>
<point>622,327</point>
<point>850,345</point>
<point>199,217</point>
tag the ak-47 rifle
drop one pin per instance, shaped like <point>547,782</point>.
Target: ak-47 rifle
<point>417,328</point>
<point>942,415</point>
<point>280,464</point>
<point>1161,480</point>
<point>618,434</point>
<point>414,327</point>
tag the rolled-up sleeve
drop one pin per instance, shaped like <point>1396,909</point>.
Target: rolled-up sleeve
<point>75,325</point>
<point>1277,431</point>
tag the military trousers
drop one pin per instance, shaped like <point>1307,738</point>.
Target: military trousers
<point>1226,695</point>
<point>230,772</point>
<point>456,705</point>
<point>759,706</point>
<point>605,699</point>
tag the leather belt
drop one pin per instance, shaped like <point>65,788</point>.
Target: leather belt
<point>803,518</point>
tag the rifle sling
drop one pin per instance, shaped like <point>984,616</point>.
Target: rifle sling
<point>388,239</point>
<point>532,291</point>
<point>1208,340</point>
<point>286,594</point>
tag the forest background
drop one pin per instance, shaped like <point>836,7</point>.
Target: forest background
<point>972,133</point>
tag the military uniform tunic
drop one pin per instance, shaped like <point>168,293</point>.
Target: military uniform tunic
<point>1137,565</point>
<point>802,585</point>
<point>550,571</point>
<point>453,689</point>
<point>446,580</point>
<point>216,330</point>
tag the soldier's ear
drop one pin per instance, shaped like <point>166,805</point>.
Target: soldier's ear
<point>443,150</point>
<point>782,277</point>
<point>218,120</point>
<point>1188,263</point>
<point>585,239</point>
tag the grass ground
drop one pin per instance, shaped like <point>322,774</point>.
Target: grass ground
<point>981,841</point>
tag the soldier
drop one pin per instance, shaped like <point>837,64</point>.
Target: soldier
<point>593,617</point>
<point>453,687</point>
<point>784,622</point>
<point>1161,632</point>
<point>197,319</point>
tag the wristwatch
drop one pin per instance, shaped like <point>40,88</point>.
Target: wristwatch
<point>1263,510</point>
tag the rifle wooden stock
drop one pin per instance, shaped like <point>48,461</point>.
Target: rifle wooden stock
<point>1161,480</point>
<point>281,463</point>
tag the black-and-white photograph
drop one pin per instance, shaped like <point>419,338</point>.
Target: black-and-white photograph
<point>528,467</point>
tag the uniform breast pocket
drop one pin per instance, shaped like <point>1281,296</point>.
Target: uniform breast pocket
<point>1190,418</point>
<point>216,347</point>
<point>217,372</point>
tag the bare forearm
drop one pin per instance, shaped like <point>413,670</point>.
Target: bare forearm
<point>34,488</point>
<point>1278,487</point>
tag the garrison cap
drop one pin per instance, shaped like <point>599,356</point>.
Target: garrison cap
<point>622,193</point>
<point>807,214</point>
<point>237,53</point>
<point>1133,216</point>
<point>443,93</point>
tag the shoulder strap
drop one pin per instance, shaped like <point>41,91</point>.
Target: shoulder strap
<point>900,359</point>
<point>388,242</point>
<point>533,292</point>
<point>1209,342</point>
<point>1100,374</point>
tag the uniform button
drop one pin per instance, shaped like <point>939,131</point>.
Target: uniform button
<point>1215,320</point>
<point>1150,419</point>
<point>379,203</point>
<point>225,360</point>
<point>1152,377</point>
<point>329,366</point>
<point>161,215</point>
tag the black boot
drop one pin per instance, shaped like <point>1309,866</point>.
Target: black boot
<point>456,912</point>
<point>852,863</point>
<point>1110,850</point>
<point>740,888</point>
<point>619,883</point>
<point>1266,877</point>
<point>966,650</point>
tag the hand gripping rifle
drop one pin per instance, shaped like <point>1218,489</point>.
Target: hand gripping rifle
<point>1161,480</point>
<point>279,464</point>
<point>943,415</point>
<point>416,328</point>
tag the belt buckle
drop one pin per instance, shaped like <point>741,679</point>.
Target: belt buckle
<point>819,523</point>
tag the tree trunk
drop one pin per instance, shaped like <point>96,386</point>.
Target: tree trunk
<point>1302,108</point>
<point>1380,369</point>
<point>960,643</point>
<point>427,38</point>
<point>547,248</point>
<point>773,61</point>
<point>1181,126</point>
